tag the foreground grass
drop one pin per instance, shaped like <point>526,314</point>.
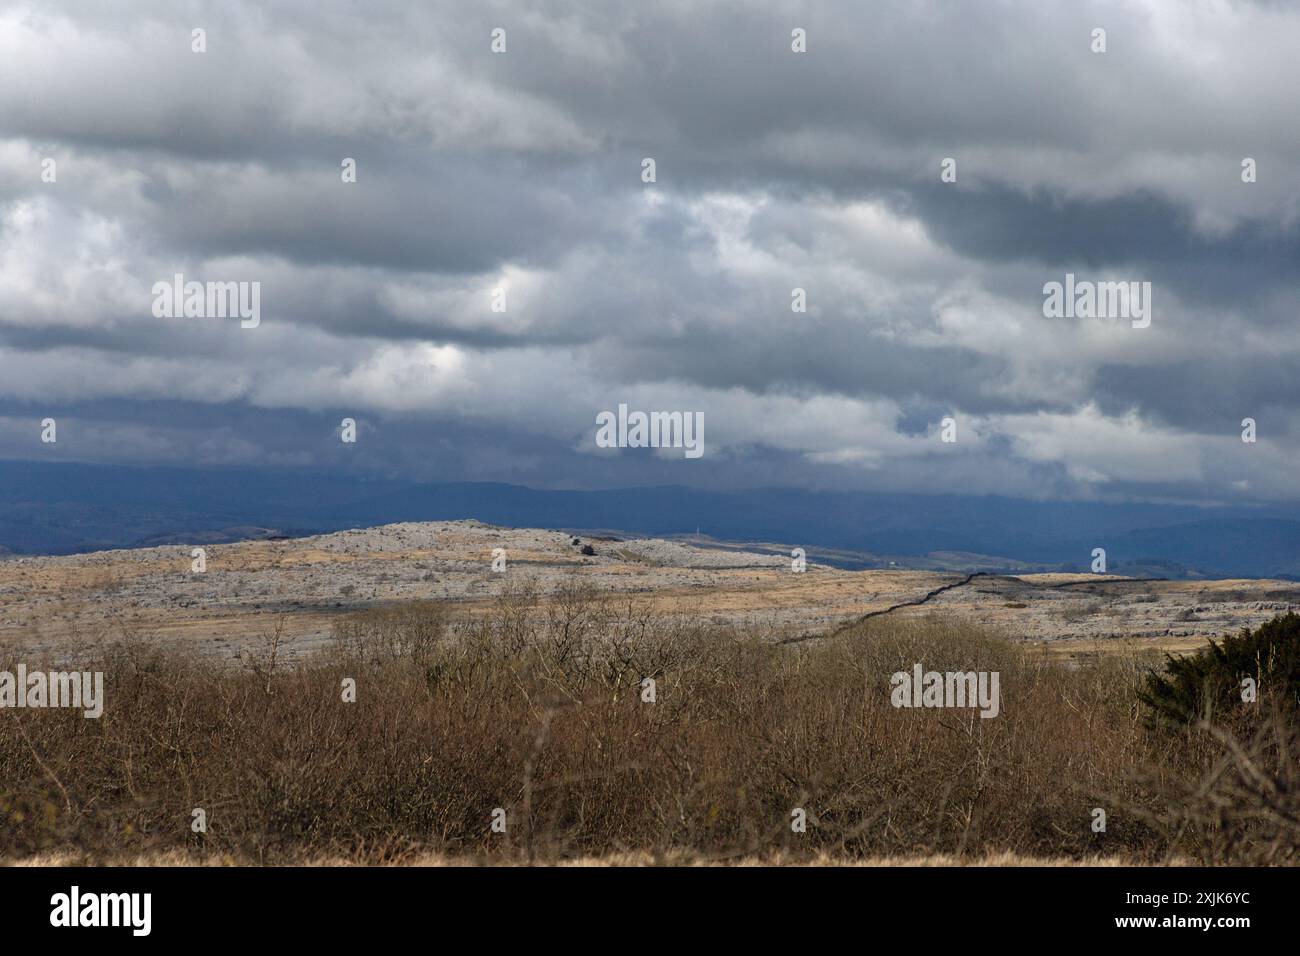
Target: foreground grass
<point>181,858</point>
<point>536,715</point>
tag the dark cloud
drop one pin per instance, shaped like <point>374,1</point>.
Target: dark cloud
<point>522,172</point>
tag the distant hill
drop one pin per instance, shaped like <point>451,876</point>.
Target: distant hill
<point>69,508</point>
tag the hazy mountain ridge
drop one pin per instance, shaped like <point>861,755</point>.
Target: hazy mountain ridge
<point>48,508</point>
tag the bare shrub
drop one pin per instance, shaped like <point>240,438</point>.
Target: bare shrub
<point>1245,806</point>
<point>536,707</point>
<point>408,631</point>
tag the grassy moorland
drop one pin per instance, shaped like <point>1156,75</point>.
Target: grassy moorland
<point>537,715</point>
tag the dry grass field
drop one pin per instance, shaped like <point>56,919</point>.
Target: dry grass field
<point>524,735</point>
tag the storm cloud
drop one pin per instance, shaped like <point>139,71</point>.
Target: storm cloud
<point>520,172</point>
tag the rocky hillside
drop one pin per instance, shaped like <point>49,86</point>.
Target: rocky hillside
<point>299,587</point>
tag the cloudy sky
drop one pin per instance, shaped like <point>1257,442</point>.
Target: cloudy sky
<point>522,171</point>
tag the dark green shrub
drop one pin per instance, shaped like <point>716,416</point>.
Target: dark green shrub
<point>1210,681</point>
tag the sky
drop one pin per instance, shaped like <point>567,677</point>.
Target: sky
<point>517,178</point>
